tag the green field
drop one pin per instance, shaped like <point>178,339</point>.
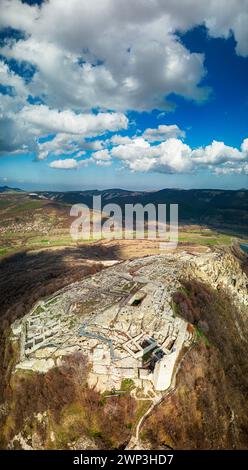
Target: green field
<point>28,224</point>
<point>13,242</point>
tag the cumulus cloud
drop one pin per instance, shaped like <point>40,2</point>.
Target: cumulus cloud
<point>120,54</point>
<point>11,80</point>
<point>102,155</point>
<point>117,55</point>
<point>63,144</point>
<point>69,163</point>
<point>16,136</point>
<point>93,145</point>
<point>235,161</point>
<point>170,156</point>
<point>217,153</point>
<point>18,15</point>
<point>174,156</point>
<point>132,61</point>
<point>119,139</point>
<point>163,132</point>
<point>244,146</point>
<point>22,126</point>
<point>232,170</point>
<point>86,125</point>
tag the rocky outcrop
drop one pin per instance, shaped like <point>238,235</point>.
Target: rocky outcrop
<point>220,269</point>
<point>104,332</point>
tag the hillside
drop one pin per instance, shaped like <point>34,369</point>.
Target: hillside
<point>56,397</point>
<point>7,189</point>
<point>216,208</point>
<point>42,219</point>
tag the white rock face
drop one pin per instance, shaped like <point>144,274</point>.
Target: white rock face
<point>122,319</point>
<point>37,365</point>
<point>221,269</point>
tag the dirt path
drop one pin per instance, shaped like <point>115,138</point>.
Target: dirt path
<point>134,442</point>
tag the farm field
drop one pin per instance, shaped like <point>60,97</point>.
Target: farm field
<point>32,224</point>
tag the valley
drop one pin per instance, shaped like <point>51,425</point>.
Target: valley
<point>32,221</point>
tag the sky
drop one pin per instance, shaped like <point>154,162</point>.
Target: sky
<point>135,94</point>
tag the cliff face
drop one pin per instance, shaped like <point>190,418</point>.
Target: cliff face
<point>208,407</point>
<point>222,269</point>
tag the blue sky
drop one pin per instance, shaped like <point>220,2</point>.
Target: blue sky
<point>132,102</point>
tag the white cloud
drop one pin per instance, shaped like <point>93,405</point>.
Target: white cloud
<point>18,15</point>
<point>93,145</point>
<point>23,125</point>
<point>119,139</point>
<point>16,136</point>
<point>102,155</point>
<point>85,125</point>
<point>10,79</point>
<point>67,164</point>
<point>162,132</point>
<point>217,153</point>
<point>171,156</point>
<point>63,144</point>
<point>136,148</point>
<point>174,156</point>
<point>117,55</point>
<point>137,78</point>
<point>232,170</point>
<point>244,147</point>
<point>116,62</point>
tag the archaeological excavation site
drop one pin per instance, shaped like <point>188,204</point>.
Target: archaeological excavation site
<point>123,320</point>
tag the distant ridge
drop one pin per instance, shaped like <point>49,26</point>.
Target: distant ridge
<point>215,207</point>
<point>219,208</point>
<point>7,189</point>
